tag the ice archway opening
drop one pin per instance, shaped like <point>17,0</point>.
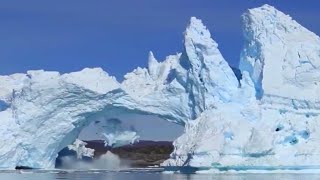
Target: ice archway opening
<point>108,112</point>
<point>124,117</point>
<point>52,110</point>
<point>146,127</point>
<point>121,127</point>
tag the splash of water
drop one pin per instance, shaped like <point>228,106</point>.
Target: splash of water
<point>107,161</point>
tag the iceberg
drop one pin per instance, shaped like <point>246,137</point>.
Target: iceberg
<point>264,118</point>
<point>271,121</point>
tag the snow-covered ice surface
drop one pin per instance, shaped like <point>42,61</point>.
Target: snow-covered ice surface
<point>267,120</point>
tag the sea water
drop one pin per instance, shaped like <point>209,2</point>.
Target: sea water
<point>145,174</point>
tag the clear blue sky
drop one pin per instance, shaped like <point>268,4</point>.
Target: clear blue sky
<point>68,35</point>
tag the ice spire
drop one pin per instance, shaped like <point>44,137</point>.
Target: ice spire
<point>152,65</point>
<point>209,72</point>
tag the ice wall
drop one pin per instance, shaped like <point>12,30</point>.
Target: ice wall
<point>272,124</point>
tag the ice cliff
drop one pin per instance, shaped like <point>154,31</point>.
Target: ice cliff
<point>273,121</point>
<point>268,118</point>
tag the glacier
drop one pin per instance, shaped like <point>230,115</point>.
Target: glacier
<point>265,118</point>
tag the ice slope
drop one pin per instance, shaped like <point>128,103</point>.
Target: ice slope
<point>269,118</point>
<point>275,125</point>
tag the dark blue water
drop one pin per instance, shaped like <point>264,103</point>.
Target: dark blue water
<point>143,175</point>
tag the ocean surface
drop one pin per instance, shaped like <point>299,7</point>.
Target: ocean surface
<point>143,175</point>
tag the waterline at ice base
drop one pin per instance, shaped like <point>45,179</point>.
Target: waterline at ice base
<point>265,118</point>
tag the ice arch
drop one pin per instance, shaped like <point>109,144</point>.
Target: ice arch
<point>45,111</point>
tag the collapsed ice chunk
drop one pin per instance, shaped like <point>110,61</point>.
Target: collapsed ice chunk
<point>120,138</point>
<point>80,148</point>
<point>115,135</point>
